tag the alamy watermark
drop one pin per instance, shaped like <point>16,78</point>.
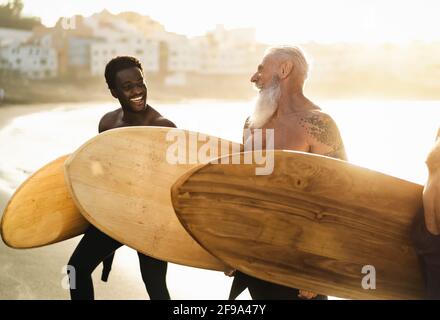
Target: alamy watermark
<point>69,280</point>
<point>369,280</point>
<point>194,148</point>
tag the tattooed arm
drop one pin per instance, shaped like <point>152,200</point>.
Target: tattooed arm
<point>431,192</point>
<point>323,135</point>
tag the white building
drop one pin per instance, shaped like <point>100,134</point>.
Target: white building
<point>180,54</point>
<point>228,52</point>
<point>118,38</point>
<point>9,36</point>
<point>147,51</point>
<point>220,51</point>
<point>35,60</point>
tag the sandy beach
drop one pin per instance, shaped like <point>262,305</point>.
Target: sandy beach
<point>37,273</point>
<point>31,136</point>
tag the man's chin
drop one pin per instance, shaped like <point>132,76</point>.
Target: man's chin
<point>137,107</point>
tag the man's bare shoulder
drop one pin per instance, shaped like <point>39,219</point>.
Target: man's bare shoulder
<point>322,133</point>
<point>314,117</point>
<point>108,121</point>
<point>157,120</point>
<point>161,121</point>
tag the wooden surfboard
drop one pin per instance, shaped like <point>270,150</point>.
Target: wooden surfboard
<point>41,211</point>
<point>315,223</point>
<point>121,180</point>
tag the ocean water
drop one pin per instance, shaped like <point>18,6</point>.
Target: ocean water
<point>393,137</point>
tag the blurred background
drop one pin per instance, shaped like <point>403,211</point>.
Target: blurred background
<point>375,69</point>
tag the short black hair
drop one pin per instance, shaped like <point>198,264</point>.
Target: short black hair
<point>117,64</point>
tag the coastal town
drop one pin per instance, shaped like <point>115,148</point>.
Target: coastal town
<point>67,61</point>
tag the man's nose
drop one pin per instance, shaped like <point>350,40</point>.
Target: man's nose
<point>138,90</point>
<point>254,77</point>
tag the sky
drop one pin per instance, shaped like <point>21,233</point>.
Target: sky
<point>275,21</point>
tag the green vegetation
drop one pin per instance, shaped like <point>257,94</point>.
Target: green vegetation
<point>11,17</point>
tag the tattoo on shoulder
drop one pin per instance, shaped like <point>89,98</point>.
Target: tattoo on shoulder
<point>325,131</point>
<point>322,129</point>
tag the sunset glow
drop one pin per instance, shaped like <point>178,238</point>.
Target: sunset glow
<point>277,21</point>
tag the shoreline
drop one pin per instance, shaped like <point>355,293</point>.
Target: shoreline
<point>164,99</point>
<point>224,88</point>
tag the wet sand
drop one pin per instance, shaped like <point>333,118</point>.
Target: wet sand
<point>37,273</point>
<point>32,141</point>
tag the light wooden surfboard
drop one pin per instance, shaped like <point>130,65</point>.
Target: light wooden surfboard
<point>313,224</point>
<point>41,211</point>
<point>121,180</point>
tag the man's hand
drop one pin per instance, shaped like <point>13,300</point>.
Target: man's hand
<point>230,272</point>
<point>431,203</point>
<point>304,294</point>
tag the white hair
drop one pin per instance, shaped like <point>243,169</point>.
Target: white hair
<point>266,104</point>
<point>294,54</point>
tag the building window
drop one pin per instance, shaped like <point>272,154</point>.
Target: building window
<point>43,62</point>
<point>18,61</point>
<point>139,52</point>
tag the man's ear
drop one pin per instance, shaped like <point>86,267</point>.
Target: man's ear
<point>285,69</point>
<point>113,92</point>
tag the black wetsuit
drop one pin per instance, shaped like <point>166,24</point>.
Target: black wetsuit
<point>427,247</point>
<point>264,290</point>
<point>96,247</point>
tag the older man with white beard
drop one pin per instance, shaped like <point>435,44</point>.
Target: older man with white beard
<point>298,124</point>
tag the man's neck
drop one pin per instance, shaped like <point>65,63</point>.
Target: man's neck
<point>134,117</point>
<point>292,103</point>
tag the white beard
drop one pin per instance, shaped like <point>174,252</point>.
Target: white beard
<point>266,104</point>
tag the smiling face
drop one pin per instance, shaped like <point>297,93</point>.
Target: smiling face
<point>130,89</point>
<point>266,71</point>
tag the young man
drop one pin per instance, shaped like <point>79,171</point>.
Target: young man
<point>427,226</point>
<point>298,125</point>
<point>126,82</point>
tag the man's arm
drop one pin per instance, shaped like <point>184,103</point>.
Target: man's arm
<point>164,122</point>
<point>106,122</point>
<point>431,192</point>
<point>323,136</point>
<point>433,161</point>
<point>103,124</point>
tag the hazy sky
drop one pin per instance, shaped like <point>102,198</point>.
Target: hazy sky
<point>276,21</point>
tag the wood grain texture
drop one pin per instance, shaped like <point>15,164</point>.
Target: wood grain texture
<point>121,182</point>
<point>312,224</point>
<point>41,211</point>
